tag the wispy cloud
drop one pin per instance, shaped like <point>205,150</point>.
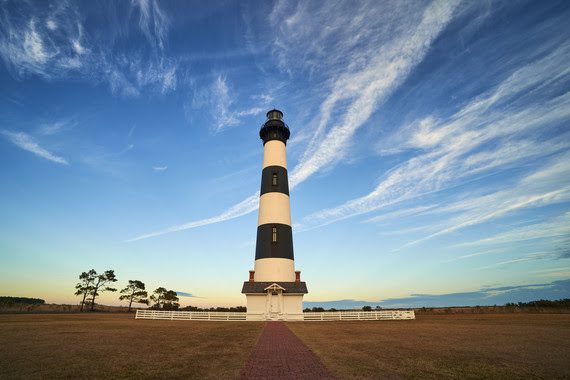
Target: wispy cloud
<point>243,208</point>
<point>250,112</point>
<point>49,49</point>
<point>528,257</point>
<point>55,46</point>
<point>220,100</point>
<point>223,102</point>
<point>153,21</point>
<point>555,272</point>
<point>263,98</point>
<point>357,93</point>
<point>110,161</point>
<point>161,75</point>
<point>506,205</point>
<point>557,227</point>
<point>455,149</point>
<point>401,213</point>
<point>51,24</point>
<point>528,193</point>
<point>159,168</point>
<point>56,127</point>
<point>28,143</point>
<point>478,253</point>
<point>356,90</point>
<point>26,48</point>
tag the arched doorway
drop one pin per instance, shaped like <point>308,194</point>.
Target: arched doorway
<point>274,303</point>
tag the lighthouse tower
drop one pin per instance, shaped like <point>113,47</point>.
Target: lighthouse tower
<point>274,289</point>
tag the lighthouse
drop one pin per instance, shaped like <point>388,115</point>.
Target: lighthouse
<point>274,290</point>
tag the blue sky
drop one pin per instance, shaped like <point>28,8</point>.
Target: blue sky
<point>429,152</point>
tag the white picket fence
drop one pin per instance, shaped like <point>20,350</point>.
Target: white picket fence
<point>310,316</point>
<point>359,315</point>
<point>191,315</point>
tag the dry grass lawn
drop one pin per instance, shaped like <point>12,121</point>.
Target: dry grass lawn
<point>434,346</point>
<point>450,346</point>
<point>118,346</point>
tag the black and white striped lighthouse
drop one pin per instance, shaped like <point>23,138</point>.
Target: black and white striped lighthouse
<point>274,289</point>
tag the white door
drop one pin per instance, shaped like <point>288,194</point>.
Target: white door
<point>274,304</point>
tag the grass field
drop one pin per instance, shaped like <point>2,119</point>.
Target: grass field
<point>105,345</point>
<point>452,346</point>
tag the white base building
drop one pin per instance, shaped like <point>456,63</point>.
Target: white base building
<point>275,301</point>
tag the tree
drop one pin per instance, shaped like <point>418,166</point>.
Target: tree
<point>134,292</point>
<point>100,284</point>
<point>158,297</point>
<point>366,308</point>
<point>167,299</point>
<point>171,298</point>
<point>85,285</point>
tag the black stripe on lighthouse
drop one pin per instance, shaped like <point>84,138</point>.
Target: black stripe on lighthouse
<point>274,240</point>
<point>274,180</point>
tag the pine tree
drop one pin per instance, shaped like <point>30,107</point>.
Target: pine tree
<point>134,292</point>
<point>100,284</point>
<point>85,285</point>
<point>165,299</point>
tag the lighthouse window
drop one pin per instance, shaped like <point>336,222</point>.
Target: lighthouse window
<point>274,181</point>
<point>274,234</point>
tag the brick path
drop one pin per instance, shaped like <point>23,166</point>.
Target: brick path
<point>279,354</point>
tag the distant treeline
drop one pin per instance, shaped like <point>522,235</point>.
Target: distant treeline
<point>539,304</point>
<point>16,301</point>
<point>317,309</point>
<point>558,304</point>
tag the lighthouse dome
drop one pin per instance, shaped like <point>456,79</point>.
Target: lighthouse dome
<point>274,114</point>
<point>274,127</point>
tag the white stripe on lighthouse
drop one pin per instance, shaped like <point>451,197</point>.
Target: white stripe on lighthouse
<point>274,269</point>
<point>274,154</point>
<point>274,208</point>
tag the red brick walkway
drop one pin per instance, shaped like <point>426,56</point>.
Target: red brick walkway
<point>279,354</point>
